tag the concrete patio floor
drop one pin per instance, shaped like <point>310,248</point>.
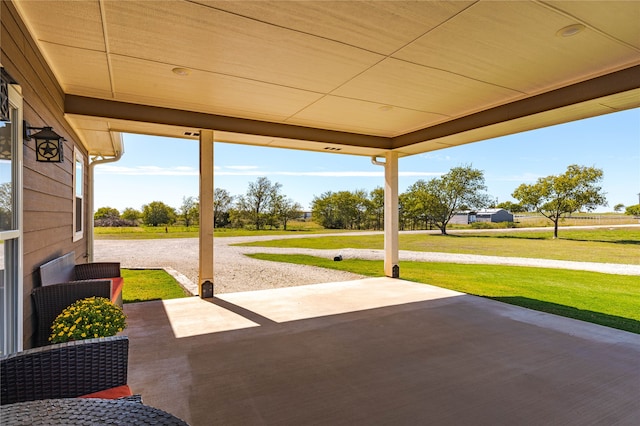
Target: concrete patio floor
<point>378,352</point>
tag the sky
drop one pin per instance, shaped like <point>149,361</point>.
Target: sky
<point>165,169</point>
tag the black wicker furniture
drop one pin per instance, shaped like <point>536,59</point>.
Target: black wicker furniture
<point>64,370</point>
<point>51,412</point>
<point>64,282</point>
<point>49,301</point>
<point>63,269</point>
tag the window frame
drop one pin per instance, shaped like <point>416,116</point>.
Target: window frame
<point>78,195</point>
<point>12,246</point>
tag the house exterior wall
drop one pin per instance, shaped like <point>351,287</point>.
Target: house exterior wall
<point>47,187</point>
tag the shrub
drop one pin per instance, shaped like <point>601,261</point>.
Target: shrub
<point>633,210</point>
<point>114,222</point>
<point>482,225</point>
<point>87,319</point>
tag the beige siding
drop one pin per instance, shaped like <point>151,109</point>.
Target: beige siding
<point>48,188</point>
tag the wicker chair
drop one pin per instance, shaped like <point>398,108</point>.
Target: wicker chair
<point>50,300</point>
<point>63,282</point>
<point>63,270</point>
<point>64,370</point>
<point>97,270</point>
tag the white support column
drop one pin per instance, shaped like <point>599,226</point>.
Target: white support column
<point>391,222</point>
<point>205,276</point>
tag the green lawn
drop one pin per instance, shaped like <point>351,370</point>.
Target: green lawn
<point>160,232</point>
<point>608,245</point>
<point>141,285</point>
<point>610,300</point>
<point>144,232</point>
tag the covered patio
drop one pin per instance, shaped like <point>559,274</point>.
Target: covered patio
<point>378,351</point>
<point>381,80</point>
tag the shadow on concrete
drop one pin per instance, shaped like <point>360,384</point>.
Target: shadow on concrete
<point>246,313</point>
<point>612,321</point>
<point>448,361</point>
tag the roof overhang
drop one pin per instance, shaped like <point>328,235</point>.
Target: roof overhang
<point>613,92</point>
<point>358,78</point>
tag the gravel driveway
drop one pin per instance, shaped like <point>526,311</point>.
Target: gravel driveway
<point>234,272</point>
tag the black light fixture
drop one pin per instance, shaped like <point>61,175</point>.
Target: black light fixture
<point>49,144</point>
<point>5,81</point>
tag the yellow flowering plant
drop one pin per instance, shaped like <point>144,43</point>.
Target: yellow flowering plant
<point>87,319</point>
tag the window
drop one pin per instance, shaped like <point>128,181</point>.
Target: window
<point>11,289</point>
<point>78,196</point>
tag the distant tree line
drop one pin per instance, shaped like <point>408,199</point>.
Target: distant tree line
<point>263,206</point>
<point>425,204</point>
<point>349,209</point>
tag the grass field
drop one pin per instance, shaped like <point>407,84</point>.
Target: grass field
<point>142,285</point>
<point>610,300</point>
<point>608,245</point>
<point>589,219</point>
<point>309,227</point>
<point>159,232</point>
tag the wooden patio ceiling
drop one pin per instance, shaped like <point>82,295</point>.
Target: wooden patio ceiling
<point>355,77</point>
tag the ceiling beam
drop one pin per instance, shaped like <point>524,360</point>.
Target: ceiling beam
<point>95,107</point>
<point>599,87</point>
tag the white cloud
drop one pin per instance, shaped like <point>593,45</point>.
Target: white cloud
<point>110,169</point>
<point>335,173</point>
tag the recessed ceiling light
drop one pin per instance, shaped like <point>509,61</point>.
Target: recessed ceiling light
<point>571,30</point>
<point>181,71</point>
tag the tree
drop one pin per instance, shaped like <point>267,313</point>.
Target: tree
<point>272,216</point>
<point>106,213</point>
<point>256,203</point>
<point>194,213</point>
<point>6,206</point>
<point>412,205</point>
<point>376,207</point>
<point>360,206</point>
<point>189,211</point>
<point>511,207</point>
<point>461,188</point>
<point>131,214</point>
<point>633,210</point>
<point>108,216</point>
<point>324,210</point>
<point>341,210</point>
<point>286,210</point>
<point>618,207</point>
<point>222,203</point>
<point>158,213</point>
<point>554,197</point>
